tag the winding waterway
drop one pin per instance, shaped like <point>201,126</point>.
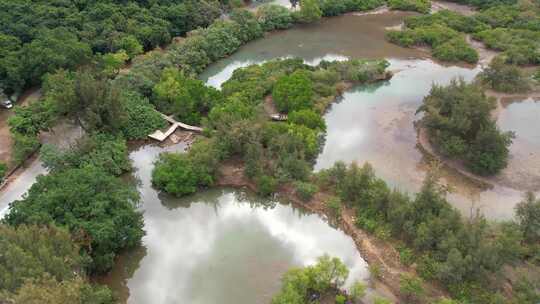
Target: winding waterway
<point>220,245</point>
<point>226,246</point>
<point>375,123</point>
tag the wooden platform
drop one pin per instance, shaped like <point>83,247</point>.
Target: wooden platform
<point>161,136</point>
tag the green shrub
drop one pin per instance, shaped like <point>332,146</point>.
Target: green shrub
<point>454,50</point>
<point>307,118</point>
<point>375,271</point>
<point>266,185</point>
<point>406,256</point>
<point>451,19</point>
<point>298,284</point>
<point>293,92</point>
<point>187,98</point>
<point>341,299</point>
<point>519,46</point>
<point>142,118</point>
<point>421,6</point>
<point>358,291</point>
<point>447,44</point>
<point>274,17</point>
<point>411,287</point>
<point>306,190</point>
<point>182,174</point>
<point>102,151</point>
<point>334,205</point>
<point>309,11</point>
<point>249,27</point>
<point>23,146</point>
<point>378,300</point>
<point>3,171</point>
<point>503,77</point>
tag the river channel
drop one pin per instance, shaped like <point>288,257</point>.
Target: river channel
<point>228,246</point>
<point>375,123</point>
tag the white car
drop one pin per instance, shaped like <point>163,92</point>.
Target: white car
<point>6,104</point>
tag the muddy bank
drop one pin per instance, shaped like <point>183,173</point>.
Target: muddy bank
<point>452,6</point>
<point>373,250</point>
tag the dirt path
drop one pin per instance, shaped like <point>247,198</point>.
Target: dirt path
<point>372,249</point>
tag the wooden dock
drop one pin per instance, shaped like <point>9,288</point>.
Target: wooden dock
<point>161,136</point>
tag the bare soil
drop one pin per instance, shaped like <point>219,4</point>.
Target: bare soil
<point>452,6</point>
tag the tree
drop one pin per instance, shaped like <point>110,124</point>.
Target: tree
<point>97,208</point>
<point>489,152</point>
<point>250,29</point>
<point>103,151</point>
<point>53,49</point>
<point>411,287</point>
<point>185,97</point>
<point>299,283</point>
<point>50,291</point>
<point>142,117</point>
<point>293,92</point>
<point>113,62</point>
<point>98,106</point>
<point>528,214</point>
<point>459,123</point>
<point>182,174</point>
<point>328,273</point>
<point>307,118</point>
<point>504,77</point>
<point>309,11</point>
<point>274,17</point>
<point>358,291</point>
<point>32,252</point>
<point>130,45</point>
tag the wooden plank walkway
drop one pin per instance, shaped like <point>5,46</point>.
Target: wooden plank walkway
<point>161,136</point>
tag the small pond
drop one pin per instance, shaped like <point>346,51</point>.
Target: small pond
<point>220,246</point>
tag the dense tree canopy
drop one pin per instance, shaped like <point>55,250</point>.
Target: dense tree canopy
<point>187,98</point>
<point>458,119</point>
<point>97,208</point>
<point>37,37</point>
<point>293,92</point>
<point>43,265</point>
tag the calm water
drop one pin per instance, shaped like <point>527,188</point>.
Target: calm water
<point>225,246</point>
<point>375,123</point>
<point>220,246</point>
<point>348,36</point>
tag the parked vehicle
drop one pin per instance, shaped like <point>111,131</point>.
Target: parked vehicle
<point>6,103</point>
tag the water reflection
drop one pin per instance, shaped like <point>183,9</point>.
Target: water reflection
<point>375,124</point>
<point>220,246</point>
<point>359,37</point>
<point>521,116</point>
